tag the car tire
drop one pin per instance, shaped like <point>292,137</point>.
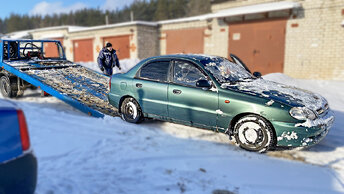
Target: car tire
<point>131,111</point>
<point>254,133</point>
<point>9,87</point>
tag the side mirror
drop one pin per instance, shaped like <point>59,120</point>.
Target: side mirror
<point>257,74</point>
<point>203,84</point>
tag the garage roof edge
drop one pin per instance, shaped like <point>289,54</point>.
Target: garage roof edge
<point>236,11</point>
<point>115,25</point>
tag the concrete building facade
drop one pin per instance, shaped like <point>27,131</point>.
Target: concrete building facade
<point>301,38</point>
<point>314,40</point>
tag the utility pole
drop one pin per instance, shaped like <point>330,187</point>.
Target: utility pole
<point>107,19</point>
<point>131,16</point>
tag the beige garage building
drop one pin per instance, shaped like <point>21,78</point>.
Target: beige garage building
<point>82,44</point>
<point>304,39</point>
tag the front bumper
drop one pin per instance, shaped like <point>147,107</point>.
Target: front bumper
<point>303,134</point>
<point>19,175</point>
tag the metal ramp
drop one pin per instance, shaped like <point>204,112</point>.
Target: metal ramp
<point>78,86</point>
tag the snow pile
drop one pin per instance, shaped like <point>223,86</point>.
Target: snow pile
<point>126,65</point>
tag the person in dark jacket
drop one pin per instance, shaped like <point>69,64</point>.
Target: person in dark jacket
<point>107,59</point>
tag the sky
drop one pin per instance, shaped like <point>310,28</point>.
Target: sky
<point>39,7</point>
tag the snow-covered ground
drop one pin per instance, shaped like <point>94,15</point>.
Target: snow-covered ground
<point>82,154</point>
<point>125,64</point>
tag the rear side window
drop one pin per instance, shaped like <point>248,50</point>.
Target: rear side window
<point>156,71</point>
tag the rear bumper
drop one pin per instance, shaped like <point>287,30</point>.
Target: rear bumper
<point>114,100</point>
<point>303,134</point>
<point>19,175</point>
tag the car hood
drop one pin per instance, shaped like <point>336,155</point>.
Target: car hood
<point>280,93</point>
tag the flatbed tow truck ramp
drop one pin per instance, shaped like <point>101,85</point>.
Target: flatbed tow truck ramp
<point>42,64</point>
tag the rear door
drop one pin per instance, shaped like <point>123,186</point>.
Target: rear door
<point>190,104</point>
<point>150,87</point>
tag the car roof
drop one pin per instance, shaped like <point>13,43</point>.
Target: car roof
<point>193,57</point>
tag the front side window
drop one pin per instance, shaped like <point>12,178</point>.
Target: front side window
<point>187,74</point>
<point>156,71</point>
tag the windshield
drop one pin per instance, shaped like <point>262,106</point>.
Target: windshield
<point>226,71</point>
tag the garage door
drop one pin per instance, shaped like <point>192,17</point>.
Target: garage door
<point>120,44</point>
<point>83,50</point>
<point>260,44</point>
<point>185,41</point>
<point>51,49</point>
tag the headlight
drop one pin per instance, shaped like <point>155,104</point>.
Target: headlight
<point>302,113</point>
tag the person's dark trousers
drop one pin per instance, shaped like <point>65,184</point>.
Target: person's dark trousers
<point>108,71</point>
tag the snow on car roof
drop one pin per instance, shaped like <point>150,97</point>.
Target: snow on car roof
<point>190,56</point>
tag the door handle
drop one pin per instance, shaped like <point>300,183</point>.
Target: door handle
<point>175,91</point>
<point>138,85</point>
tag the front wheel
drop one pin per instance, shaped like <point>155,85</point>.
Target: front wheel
<point>254,133</point>
<point>131,111</point>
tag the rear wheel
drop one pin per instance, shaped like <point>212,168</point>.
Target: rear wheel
<point>254,133</point>
<point>9,86</point>
<point>131,111</point>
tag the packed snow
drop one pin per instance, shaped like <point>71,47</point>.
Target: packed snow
<point>125,65</point>
<point>81,154</point>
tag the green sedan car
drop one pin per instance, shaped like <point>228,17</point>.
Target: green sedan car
<point>217,94</point>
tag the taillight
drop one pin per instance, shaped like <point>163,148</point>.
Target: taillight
<point>110,84</point>
<point>24,134</point>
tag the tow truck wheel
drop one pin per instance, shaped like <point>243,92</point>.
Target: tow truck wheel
<point>8,86</point>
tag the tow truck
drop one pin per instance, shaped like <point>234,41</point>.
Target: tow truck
<point>43,64</point>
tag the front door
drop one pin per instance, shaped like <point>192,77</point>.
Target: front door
<point>190,104</point>
<point>150,88</point>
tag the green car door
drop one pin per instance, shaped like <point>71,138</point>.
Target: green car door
<point>188,103</point>
<point>150,87</point>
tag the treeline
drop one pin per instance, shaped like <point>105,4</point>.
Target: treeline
<point>147,10</point>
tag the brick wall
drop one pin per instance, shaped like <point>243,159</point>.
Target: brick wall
<point>314,39</point>
<point>148,42</point>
